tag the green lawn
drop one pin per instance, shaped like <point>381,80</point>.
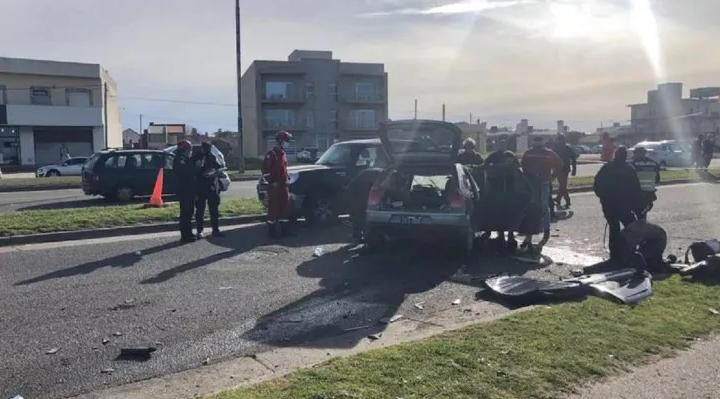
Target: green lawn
<point>533,354</point>
<point>46,221</point>
<point>665,176</point>
<point>45,183</point>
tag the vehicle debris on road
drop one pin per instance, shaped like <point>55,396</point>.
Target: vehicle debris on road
<point>318,252</point>
<point>52,351</point>
<point>140,353</point>
<point>391,319</point>
<point>108,370</point>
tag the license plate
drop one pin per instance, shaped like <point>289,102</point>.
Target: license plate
<point>409,219</point>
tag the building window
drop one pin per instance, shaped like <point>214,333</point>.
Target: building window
<point>40,96</point>
<point>310,120</point>
<point>156,138</point>
<point>309,90</point>
<point>366,91</point>
<point>277,90</point>
<point>9,145</point>
<point>3,95</point>
<point>332,91</point>
<point>279,118</point>
<point>362,119</point>
<point>78,97</point>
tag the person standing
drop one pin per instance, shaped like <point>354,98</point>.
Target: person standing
<point>208,189</point>
<point>185,175</point>
<point>697,148</point>
<point>569,159</point>
<point>608,148</point>
<point>708,150</point>
<point>359,190</point>
<point>648,173</point>
<point>275,172</point>
<point>468,155</point>
<point>540,164</point>
<point>618,188</point>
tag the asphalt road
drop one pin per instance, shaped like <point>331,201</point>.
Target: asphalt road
<point>240,295</point>
<point>75,198</point>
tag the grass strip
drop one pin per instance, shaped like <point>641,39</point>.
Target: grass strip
<point>44,183</point>
<point>666,176</point>
<point>47,221</point>
<point>533,354</point>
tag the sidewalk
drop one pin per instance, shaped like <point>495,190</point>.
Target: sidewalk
<point>692,374</point>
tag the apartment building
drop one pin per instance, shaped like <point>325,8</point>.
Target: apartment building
<point>667,115</point>
<point>315,97</point>
<point>50,110</point>
<point>159,136</point>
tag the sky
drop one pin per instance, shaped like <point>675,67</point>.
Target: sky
<point>581,61</point>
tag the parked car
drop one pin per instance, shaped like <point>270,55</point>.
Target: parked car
<point>124,174</point>
<point>582,149</point>
<point>423,192</point>
<point>308,155</point>
<point>667,153</point>
<point>317,191</point>
<point>71,167</point>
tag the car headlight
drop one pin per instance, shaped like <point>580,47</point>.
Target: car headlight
<point>41,171</point>
<point>293,177</point>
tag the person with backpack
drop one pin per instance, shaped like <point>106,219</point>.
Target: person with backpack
<point>275,173</point>
<point>208,189</point>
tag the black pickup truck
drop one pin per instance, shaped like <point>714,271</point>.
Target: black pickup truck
<point>317,191</point>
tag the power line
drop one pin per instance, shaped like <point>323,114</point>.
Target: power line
<point>176,101</point>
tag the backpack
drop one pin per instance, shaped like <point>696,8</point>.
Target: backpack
<point>702,250</point>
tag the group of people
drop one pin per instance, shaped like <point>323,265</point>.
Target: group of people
<point>198,175</point>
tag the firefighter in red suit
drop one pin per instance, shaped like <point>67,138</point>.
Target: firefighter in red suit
<point>276,174</point>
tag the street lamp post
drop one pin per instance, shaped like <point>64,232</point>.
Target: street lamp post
<point>239,88</point>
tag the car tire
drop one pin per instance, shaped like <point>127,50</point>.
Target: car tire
<point>53,173</point>
<point>124,193</point>
<point>319,211</point>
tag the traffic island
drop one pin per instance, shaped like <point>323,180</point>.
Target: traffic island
<point>544,352</point>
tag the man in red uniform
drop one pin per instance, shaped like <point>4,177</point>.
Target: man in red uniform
<point>275,172</point>
<point>540,164</point>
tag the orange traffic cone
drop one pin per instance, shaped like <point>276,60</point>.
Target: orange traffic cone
<point>156,198</point>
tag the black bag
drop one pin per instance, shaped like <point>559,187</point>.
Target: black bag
<point>701,250</point>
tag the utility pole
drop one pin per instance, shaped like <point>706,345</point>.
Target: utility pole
<point>141,129</point>
<point>140,132</point>
<point>443,113</point>
<point>416,109</point>
<point>105,112</point>
<point>239,88</point>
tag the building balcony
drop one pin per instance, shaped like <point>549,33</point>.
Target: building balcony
<point>297,100</point>
<point>53,115</point>
<point>273,127</point>
<point>365,100</point>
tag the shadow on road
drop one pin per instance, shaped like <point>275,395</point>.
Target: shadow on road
<point>356,292</point>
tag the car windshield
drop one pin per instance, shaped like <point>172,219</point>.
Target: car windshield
<point>411,138</point>
<point>338,154</point>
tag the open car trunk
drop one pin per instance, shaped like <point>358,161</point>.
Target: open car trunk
<point>419,189</point>
<point>421,142</point>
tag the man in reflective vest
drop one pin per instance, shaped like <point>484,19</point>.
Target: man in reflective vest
<point>648,172</point>
<point>275,172</point>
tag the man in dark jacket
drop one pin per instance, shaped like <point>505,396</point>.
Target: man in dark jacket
<point>468,155</point>
<point>618,187</point>
<point>358,192</point>
<point>569,159</point>
<point>208,189</point>
<point>185,175</point>
<point>708,150</point>
<point>648,173</point>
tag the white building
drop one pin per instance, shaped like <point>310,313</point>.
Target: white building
<point>50,109</point>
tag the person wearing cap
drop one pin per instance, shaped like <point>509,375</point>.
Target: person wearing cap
<point>208,189</point>
<point>275,172</point>
<point>648,173</point>
<point>468,155</point>
<point>540,164</point>
<point>186,176</point>
<point>618,188</point>
<point>569,158</point>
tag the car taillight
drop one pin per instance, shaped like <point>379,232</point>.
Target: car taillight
<point>457,201</point>
<point>374,197</point>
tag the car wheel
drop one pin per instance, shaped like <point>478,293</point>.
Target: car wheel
<point>319,211</point>
<point>53,173</point>
<point>124,194</point>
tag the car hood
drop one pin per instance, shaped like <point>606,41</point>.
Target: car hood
<point>421,141</point>
<point>306,168</point>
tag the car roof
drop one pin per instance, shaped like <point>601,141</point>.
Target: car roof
<point>361,141</point>
<point>134,152</point>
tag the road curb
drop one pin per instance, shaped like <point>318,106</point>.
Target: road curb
<point>115,231</point>
<point>79,186</point>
